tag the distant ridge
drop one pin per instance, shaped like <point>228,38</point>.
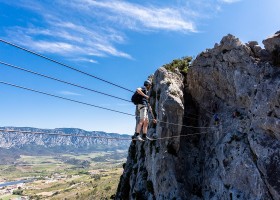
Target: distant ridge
<point>22,141</point>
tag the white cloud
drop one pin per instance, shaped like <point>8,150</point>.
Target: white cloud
<point>54,47</point>
<point>61,32</point>
<point>134,16</point>
<point>65,38</point>
<point>85,60</point>
<point>96,28</point>
<point>229,1</point>
<point>68,93</point>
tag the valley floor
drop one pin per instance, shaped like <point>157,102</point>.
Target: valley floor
<point>85,176</point>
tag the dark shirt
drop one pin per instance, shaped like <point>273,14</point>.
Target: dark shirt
<point>143,99</point>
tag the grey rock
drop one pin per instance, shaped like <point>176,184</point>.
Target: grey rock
<point>256,49</point>
<point>230,42</point>
<point>239,157</point>
<point>253,43</point>
<point>272,43</point>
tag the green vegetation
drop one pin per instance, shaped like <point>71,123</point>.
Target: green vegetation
<point>42,166</point>
<point>107,188</point>
<point>57,178</point>
<point>96,177</point>
<point>181,64</point>
<point>8,197</point>
<point>17,192</point>
<point>79,187</point>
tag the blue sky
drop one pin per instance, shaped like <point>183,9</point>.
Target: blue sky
<point>123,41</point>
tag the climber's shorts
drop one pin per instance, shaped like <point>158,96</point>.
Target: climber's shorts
<point>143,110</point>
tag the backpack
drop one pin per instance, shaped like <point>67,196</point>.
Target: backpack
<point>136,98</point>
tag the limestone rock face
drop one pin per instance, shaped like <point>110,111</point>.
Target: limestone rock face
<point>238,157</point>
<point>272,43</point>
<point>245,145</point>
<point>150,171</point>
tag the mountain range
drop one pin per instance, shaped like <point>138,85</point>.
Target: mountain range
<point>67,140</point>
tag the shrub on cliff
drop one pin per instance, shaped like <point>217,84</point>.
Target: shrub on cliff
<point>181,64</point>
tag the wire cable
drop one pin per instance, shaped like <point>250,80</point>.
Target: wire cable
<point>68,83</point>
<point>185,125</point>
<point>64,65</point>
<point>77,70</point>
<point>96,137</point>
<point>150,109</point>
<point>65,82</point>
<point>63,134</point>
<point>178,136</point>
<point>88,104</point>
<point>189,117</point>
<point>52,95</point>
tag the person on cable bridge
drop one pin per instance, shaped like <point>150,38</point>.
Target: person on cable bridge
<point>142,109</point>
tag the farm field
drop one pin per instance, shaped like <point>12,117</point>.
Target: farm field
<point>66,176</point>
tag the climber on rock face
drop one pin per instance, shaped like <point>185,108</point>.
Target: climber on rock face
<point>142,108</point>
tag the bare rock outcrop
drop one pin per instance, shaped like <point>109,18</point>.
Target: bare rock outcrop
<point>247,145</point>
<point>194,158</point>
<point>150,171</point>
<point>272,43</point>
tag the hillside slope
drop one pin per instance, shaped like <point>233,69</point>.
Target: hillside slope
<point>237,158</point>
<point>18,139</point>
<point>14,144</point>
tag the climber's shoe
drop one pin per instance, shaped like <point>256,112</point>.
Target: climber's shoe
<point>139,138</point>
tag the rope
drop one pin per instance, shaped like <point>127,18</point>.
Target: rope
<point>58,80</point>
<point>64,65</point>
<point>88,104</point>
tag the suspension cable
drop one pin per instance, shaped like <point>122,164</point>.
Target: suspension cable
<point>52,95</point>
<point>64,65</point>
<point>63,134</point>
<point>185,125</point>
<point>62,81</point>
<point>68,83</point>
<point>72,68</point>
<point>88,104</point>
<point>179,136</point>
<point>98,137</point>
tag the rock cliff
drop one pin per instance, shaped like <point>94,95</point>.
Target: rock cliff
<point>236,155</point>
<point>19,140</point>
